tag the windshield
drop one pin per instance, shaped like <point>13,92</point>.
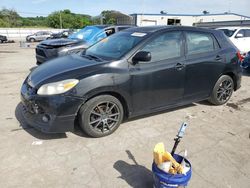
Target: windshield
<point>228,32</point>
<point>115,46</point>
<point>87,33</point>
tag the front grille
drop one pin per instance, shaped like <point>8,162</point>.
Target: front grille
<point>46,51</point>
<point>29,107</point>
<point>40,52</point>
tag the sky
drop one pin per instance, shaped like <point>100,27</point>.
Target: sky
<point>29,8</point>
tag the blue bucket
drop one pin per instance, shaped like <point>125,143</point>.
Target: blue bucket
<point>167,180</point>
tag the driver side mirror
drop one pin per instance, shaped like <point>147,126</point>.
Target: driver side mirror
<point>141,56</point>
<point>239,35</point>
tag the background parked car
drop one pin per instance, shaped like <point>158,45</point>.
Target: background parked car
<point>62,34</point>
<point>246,62</point>
<point>133,72</point>
<point>3,39</point>
<point>240,36</point>
<point>39,36</point>
<point>75,43</point>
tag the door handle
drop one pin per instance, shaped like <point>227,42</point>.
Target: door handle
<point>218,58</point>
<point>179,66</point>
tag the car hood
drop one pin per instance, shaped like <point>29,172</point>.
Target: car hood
<point>67,67</point>
<point>61,42</point>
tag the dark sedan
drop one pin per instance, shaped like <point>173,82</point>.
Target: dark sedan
<point>134,72</point>
<point>62,34</point>
<point>3,39</point>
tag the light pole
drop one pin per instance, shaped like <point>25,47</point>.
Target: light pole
<point>60,19</point>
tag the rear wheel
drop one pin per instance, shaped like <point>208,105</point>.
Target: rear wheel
<point>101,115</point>
<point>1,41</point>
<point>222,91</point>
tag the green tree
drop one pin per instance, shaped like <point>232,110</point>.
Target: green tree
<point>10,18</point>
<point>68,20</point>
<point>3,23</point>
<point>110,16</point>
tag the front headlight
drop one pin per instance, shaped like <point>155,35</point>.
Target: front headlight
<point>57,87</point>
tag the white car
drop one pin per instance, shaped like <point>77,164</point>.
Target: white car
<point>240,36</point>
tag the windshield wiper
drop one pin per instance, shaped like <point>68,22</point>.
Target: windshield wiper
<point>92,57</point>
<point>95,57</point>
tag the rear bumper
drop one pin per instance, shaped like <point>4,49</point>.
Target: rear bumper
<point>238,84</point>
<point>49,114</point>
<point>237,78</point>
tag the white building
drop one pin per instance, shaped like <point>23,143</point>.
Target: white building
<point>186,19</point>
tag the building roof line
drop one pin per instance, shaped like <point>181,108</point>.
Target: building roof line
<point>218,14</point>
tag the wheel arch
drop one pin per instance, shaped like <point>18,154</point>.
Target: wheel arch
<point>119,96</point>
<point>32,38</point>
<point>233,76</point>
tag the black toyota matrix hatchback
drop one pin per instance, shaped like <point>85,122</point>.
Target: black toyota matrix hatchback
<point>133,72</point>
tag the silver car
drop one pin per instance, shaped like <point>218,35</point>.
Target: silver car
<point>39,36</point>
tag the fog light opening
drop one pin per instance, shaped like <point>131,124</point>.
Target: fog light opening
<point>46,118</point>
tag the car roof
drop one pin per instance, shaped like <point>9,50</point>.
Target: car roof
<point>231,27</point>
<point>100,26</point>
<point>106,26</point>
<point>151,29</point>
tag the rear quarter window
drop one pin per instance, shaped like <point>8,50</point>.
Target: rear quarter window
<point>228,32</point>
<point>199,43</point>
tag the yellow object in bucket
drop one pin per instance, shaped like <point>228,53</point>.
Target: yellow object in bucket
<point>159,151</point>
<point>160,156</point>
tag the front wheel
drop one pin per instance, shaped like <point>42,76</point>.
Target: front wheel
<point>222,91</point>
<point>32,40</point>
<point>101,115</point>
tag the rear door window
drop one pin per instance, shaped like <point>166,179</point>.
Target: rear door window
<point>198,43</point>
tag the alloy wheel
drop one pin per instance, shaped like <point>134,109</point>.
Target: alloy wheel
<point>104,117</point>
<point>225,90</point>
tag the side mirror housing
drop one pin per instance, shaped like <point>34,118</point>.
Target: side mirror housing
<point>141,56</point>
<point>239,35</point>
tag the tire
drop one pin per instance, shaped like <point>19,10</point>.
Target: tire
<point>1,41</point>
<point>32,40</point>
<point>101,116</point>
<point>222,90</point>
